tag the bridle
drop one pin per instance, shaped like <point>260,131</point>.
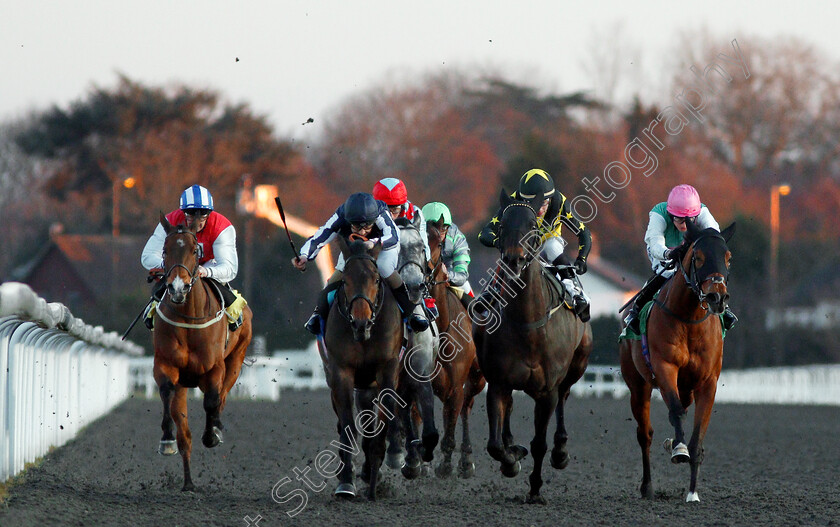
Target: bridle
<point>529,255</point>
<point>690,276</point>
<point>199,252</point>
<point>694,282</point>
<point>375,306</point>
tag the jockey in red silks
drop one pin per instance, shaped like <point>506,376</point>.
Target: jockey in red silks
<point>393,193</point>
<point>217,239</point>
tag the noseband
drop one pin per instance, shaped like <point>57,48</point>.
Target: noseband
<point>375,307</point>
<point>194,272</point>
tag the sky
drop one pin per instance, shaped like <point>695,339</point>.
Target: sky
<point>300,60</point>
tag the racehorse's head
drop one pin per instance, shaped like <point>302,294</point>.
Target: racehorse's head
<point>705,265</point>
<point>433,232</point>
<point>181,253</point>
<point>518,238</point>
<point>412,260</point>
<point>362,285</point>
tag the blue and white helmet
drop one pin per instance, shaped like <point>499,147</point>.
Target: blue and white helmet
<point>196,197</point>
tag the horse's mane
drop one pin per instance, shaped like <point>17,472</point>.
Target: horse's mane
<point>402,221</point>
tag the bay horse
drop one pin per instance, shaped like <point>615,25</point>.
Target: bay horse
<point>193,346</point>
<point>457,378</point>
<point>362,342</point>
<point>685,346</point>
<point>418,362</point>
<point>524,344</point>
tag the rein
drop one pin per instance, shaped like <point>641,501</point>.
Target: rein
<point>691,281</point>
<point>375,306</point>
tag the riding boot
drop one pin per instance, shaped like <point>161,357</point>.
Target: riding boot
<point>729,319</point>
<point>313,325</point>
<point>415,321</point>
<point>466,300</point>
<point>645,295</point>
<point>157,295</point>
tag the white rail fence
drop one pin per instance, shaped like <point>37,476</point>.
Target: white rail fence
<point>56,375</point>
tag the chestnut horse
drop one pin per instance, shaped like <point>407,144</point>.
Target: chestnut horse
<point>685,345</point>
<point>456,378</point>
<point>193,346</point>
<point>527,345</point>
<point>362,338</point>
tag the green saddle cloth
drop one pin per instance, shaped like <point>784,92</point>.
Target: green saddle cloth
<point>628,334</point>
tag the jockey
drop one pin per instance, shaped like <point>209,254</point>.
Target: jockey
<point>552,215</point>
<point>454,253</point>
<point>393,193</point>
<point>665,232</point>
<point>218,260</point>
<point>361,214</point>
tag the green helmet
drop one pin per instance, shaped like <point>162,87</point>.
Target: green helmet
<point>434,210</point>
<point>536,182</point>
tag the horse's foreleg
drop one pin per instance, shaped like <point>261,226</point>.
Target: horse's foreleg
<point>178,408</point>
<point>560,454</point>
<point>387,402</point>
<point>166,378</point>
<point>211,385</point>
<point>676,413</point>
<point>430,437</point>
<point>342,401</point>
<point>474,385</point>
<point>543,406</point>
<point>498,413</point>
<point>705,399</point>
<point>364,403</point>
<point>452,404</point>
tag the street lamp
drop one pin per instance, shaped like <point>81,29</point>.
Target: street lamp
<point>127,182</point>
<point>782,189</point>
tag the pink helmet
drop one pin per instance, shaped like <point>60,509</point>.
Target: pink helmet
<point>684,201</point>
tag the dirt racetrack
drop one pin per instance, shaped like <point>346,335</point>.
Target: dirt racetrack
<point>765,465</point>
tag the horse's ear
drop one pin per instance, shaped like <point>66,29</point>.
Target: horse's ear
<point>728,232</point>
<point>377,248</point>
<point>536,203</point>
<point>692,230</point>
<point>342,245</point>
<point>504,198</point>
<point>165,223</point>
<point>439,223</point>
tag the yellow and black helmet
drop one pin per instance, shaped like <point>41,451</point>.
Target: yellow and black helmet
<point>536,182</point>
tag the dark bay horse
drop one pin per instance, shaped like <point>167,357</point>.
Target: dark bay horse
<point>457,378</point>
<point>418,362</point>
<point>685,345</point>
<point>193,346</point>
<point>362,338</point>
<point>526,345</point>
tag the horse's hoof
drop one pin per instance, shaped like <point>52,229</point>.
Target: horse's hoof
<point>511,471</point>
<point>168,448</point>
<point>518,452</point>
<point>188,487</point>
<point>647,491</point>
<point>411,472</point>
<point>395,461</point>
<point>444,469</point>
<point>680,454</point>
<point>692,497</point>
<point>211,438</point>
<point>466,470</point>
<point>535,500</point>
<point>345,491</point>
<point>426,470</point>
<point>559,459</point>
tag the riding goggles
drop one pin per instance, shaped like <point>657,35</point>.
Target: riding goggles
<point>197,213</point>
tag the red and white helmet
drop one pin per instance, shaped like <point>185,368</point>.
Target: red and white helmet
<point>683,202</point>
<point>390,190</point>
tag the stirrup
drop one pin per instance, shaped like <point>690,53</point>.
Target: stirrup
<point>313,325</point>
